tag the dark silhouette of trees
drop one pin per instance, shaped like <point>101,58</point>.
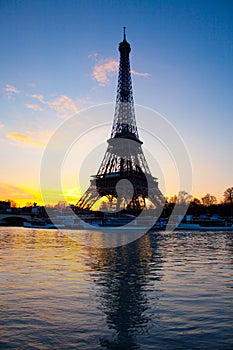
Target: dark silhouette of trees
<point>207,205</point>
<point>228,198</point>
<point>196,208</point>
<point>183,198</point>
<point>209,200</point>
<point>12,203</point>
<point>228,195</point>
<point>195,201</point>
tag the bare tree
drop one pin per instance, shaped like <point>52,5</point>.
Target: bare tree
<point>12,203</point>
<point>183,197</point>
<point>209,200</point>
<point>228,195</point>
<point>173,199</point>
<point>195,201</point>
<point>228,198</point>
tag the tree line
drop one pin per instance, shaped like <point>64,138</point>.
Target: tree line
<point>207,205</point>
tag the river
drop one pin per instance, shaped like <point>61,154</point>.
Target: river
<point>163,291</point>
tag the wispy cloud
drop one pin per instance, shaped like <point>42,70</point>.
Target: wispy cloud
<point>140,74</point>
<point>31,138</point>
<point>13,192</point>
<point>38,97</point>
<point>104,70</point>
<point>34,106</point>
<point>11,91</point>
<point>94,55</point>
<point>63,104</point>
<point>1,133</point>
<point>20,137</point>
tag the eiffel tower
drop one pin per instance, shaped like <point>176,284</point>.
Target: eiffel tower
<point>124,175</point>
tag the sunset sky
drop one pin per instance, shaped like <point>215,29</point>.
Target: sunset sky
<point>61,57</point>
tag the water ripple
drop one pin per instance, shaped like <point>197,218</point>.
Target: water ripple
<point>165,291</point>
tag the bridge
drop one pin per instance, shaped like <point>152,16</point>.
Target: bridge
<point>14,219</point>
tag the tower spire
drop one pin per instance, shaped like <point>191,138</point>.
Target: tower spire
<point>124,123</point>
<point>124,28</point>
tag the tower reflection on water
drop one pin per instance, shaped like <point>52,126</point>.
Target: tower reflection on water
<point>163,291</point>
<point>126,278</point>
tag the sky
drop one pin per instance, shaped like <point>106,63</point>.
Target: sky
<point>59,58</point>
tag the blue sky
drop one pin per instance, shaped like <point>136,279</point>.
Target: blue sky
<point>58,57</point>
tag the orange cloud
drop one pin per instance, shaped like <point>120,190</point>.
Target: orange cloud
<point>102,71</point>
<point>38,97</point>
<point>13,192</point>
<point>19,137</point>
<point>34,106</point>
<point>64,105</point>
<point>1,126</point>
<point>34,139</point>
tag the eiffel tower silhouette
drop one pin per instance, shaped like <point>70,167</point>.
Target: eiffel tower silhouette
<point>124,176</point>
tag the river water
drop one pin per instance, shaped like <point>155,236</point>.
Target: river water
<point>163,291</point>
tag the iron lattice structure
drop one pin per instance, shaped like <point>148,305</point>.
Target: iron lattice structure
<point>124,158</point>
